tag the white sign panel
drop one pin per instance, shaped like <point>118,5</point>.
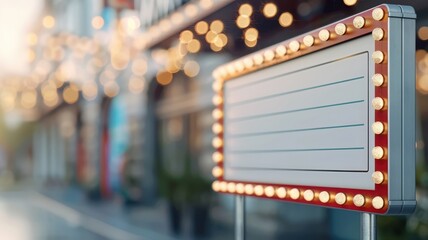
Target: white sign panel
<point>323,122</point>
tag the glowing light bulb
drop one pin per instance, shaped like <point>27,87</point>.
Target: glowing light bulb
<point>294,193</point>
<point>249,190</point>
<point>217,171</point>
<point>359,200</point>
<point>294,46</point>
<point>269,191</point>
<point>377,202</point>
<point>281,192</point>
<point>378,57</point>
<point>231,187</point>
<point>378,103</point>
<point>258,190</point>
<point>217,157</point>
<point>308,40</point>
<point>240,188</point>
<point>324,35</point>
<point>324,197</point>
<point>377,177</point>
<point>377,34</point>
<point>340,198</point>
<point>378,79</point>
<point>359,22</point>
<point>378,14</point>
<point>378,127</point>
<point>308,195</point>
<point>340,29</point>
<point>378,152</point>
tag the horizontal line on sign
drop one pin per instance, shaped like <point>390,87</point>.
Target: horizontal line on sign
<point>296,150</point>
<point>292,111</point>
<point>294,91</point>
<point>296,71</point>
<point>291,130</point>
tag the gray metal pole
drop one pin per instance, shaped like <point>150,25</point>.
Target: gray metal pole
<point>368,226</point>
<point>239,217</point>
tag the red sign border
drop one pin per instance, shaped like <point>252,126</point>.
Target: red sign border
<point>374,201</point>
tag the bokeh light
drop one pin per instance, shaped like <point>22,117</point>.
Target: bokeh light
<point>164,77</point>
<point>423,33</point>
<point>285,19</point>
<point>201,27</point>
<point>97,22</point>
<point>270,10</point>
<point>245,10</point>
<point>350,2</point>
<point>48,21</point>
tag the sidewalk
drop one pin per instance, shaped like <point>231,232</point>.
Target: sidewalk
<point>139,222</point>
<point>143,223</point>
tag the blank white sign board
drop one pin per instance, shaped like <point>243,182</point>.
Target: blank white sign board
<point>329,122</point>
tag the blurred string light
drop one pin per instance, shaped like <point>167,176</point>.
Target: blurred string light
<point>194,46</point>
<point>136,84</point>
<point>90,90</point>
<point>191,10</point>
<point>285,19</point>
<point>201,27</point>
<point>32,39</point>
<point>250,36</point>
<point>217,26</point>
<point>245,10</point>
<point>8,100</point>
<point>422,71</point>
<point>111,89</point>
<point>423,33</point>
<point>177,18</point>
<point>71,94</point>
<point>186,36</point>
<point>191,68</point>
<point>350,2</point>
<point>165,25</point>
<point>164,77</point>
<point>48,21</point>
<point>130,23</point>
<point>49,94</point>
<point>139,67</point>
<point>65,65</point>
<point>243,21</point>
<point>206,4</point>
<point>270,10</point>
<point>31,55</point>
<point>66,58</point>
<point>29,99</point>
<point>97,22</point>
<point>214,36</point>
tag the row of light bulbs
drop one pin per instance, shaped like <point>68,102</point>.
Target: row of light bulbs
<point>308,195</point>
<point>294,46</point>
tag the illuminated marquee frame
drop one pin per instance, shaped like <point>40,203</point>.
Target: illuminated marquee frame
<point>394,166</point>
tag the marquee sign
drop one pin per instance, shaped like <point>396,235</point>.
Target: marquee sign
<point>326,118</point>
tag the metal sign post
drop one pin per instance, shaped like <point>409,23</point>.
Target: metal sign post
<point>239,217</point>
<point>368,226</point>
